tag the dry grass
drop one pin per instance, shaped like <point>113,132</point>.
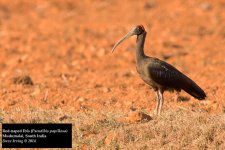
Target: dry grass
<point>173,130</point>
<point>180,129</point>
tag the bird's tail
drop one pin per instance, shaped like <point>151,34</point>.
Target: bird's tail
<point>194,90</point>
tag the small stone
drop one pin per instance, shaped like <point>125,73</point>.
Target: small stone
<point>135,117</point>
<point>64,117</point>
<point>205,6</point>
<point>97,86</point>
<point>23,79</point>
<point>127,74</point>
<point>106,90</point>
<point>74,63</point>
<point>23,58</point>
<point>101,52</point>
<point>150,4</point>
<point>3,74</point>
<point>81,99</point>
<point>12,103</point>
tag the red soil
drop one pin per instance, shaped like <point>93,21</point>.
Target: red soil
<point>65,47</point>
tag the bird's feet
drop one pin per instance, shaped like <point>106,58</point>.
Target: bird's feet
<point>156,112</point>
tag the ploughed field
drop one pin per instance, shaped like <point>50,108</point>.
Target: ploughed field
<point>56,65</point>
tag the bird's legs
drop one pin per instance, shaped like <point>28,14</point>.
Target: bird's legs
<point>157,102</point>
<point>161,101</point>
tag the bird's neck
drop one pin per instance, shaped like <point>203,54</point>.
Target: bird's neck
<point>140,46</point>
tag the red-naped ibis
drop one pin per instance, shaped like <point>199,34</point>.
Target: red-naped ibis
<point>160,75</point>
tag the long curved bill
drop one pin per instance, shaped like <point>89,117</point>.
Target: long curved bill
<point>129,34</point>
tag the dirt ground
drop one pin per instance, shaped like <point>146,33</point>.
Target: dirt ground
<point>65,48</point>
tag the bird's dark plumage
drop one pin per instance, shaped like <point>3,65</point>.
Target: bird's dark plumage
<point>160,75</point>
<point>171,78</point>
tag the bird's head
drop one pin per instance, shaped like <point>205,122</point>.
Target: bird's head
<point>137,30</point>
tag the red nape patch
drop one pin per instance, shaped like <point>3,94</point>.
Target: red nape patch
<point>142,27</point>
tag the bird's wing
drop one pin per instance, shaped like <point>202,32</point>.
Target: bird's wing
<point>168,76</point>
<point>165,74</point>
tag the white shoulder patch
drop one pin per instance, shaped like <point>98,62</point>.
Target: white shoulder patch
<point>165,68</point>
